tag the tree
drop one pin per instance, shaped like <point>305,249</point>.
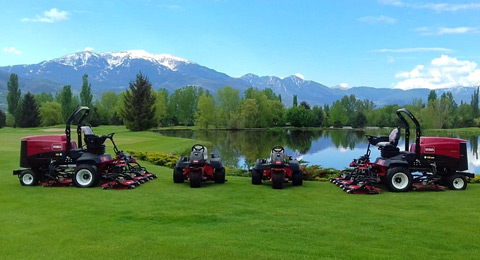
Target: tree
<point>432,95</point>
<point>3,118</point>
<point>305,105</point>
<point>65,98</point>
<point>318,116</point>
<point>14,95</point>
<point>51,113</point>
<point>139,105</point>
<point>86,93</point>
<point>295,100</point>
<point>338,114</point>
<point>229,105</point>
<point>161,105</point>
<point>43,97</point>
<point>205,115</point>
<point>106,108</point>
<point>28,114</point>
<point>474,103</point>
<point>249,113</point>
<point>299,116</point>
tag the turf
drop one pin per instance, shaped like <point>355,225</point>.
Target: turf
<point>235,220</point>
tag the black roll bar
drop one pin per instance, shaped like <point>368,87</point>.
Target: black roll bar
<point>76,118</point>
<point>418,132</point>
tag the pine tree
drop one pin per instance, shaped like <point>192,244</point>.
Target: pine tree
<point>14,95</point>
<point>86,93</point>
<point>3,118</point>
<point>295,101</point>
<point>139,105</point>
<point>474,103</point>
<point>28,113</point>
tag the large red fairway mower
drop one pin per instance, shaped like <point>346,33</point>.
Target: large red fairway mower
<point>199,167</point>
<point>279,169</point>
<point>427,164</point>
<point>56,160</point>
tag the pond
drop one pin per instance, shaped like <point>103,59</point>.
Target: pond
<point>328,148</point>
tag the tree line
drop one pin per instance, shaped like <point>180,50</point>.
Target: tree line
<point>140,108</point>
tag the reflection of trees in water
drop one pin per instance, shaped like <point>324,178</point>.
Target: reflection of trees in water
<point>473,145</point>
<point>345,139</point>
<point>300,140</point>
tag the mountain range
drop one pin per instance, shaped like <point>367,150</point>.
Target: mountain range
<point>112,71</point>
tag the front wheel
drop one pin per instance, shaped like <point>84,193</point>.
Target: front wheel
<point>399,179</point>
<point>277,180</point>
<point>457,182</point>
<point>28,178</point>
<point>86,176</point>
<point>195,179</point>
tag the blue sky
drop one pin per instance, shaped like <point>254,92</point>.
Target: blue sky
<point>378,43</point>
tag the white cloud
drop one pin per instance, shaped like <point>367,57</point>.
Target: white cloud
<point>50,16</point>
<point>438,7</point>
<point>407,50</point>
<point>442,72</point>
<point>378,19</point>
<point>425,31</point>
<point>88,49</point>
<point>12,50</point>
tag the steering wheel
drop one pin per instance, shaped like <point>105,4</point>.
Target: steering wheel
<point>278,149</point>
<point>198,148</point>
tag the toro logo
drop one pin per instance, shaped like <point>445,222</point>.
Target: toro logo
<point>56,147</point>
<point>430,149</point>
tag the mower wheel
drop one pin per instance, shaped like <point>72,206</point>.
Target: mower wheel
<point>297,178</point>
<point>277,181</point>
<point>178,176</point>
<point>256,177</point>
<point>219,175</point>
<point>86,176</point>
<point>195,179</point>
<point>399,179</point>
<point>28,178</point>
<point>456,182</point>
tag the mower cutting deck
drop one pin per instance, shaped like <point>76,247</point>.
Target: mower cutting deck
<point>279,169</point>
<point>56,160</point>
<point>428,164</point>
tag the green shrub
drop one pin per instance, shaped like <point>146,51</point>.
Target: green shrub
<point>158,158</point>
<point>317,173</point>
<point>476,179</point>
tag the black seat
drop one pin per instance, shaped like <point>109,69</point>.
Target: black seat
<point>95,143</point>
<point>387,144</point>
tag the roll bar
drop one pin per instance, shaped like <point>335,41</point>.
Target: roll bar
<point>418,132</point>
<point>76,118</point>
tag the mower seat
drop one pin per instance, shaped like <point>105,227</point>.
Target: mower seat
<point>392,139</point>
<point>94,142</point>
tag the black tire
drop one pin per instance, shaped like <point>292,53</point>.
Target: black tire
<point>195,179</point>
<point>398,179</point>
<point>297,178</point>
<point>256,177</point>
<point>456,182</point>
<point>277,181</point>
<point>178,175</point>
<point>86,176</point>
<point>28,178</point>
<point>219,175</point>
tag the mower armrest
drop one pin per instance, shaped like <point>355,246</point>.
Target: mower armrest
<point>467,174</point>
<point>374,140</point>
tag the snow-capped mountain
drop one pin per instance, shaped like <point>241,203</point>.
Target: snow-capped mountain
<point>113,71</point>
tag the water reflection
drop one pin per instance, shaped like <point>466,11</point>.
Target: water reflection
<point>328,148</point>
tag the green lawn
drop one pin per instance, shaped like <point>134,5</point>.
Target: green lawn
<point>236,220</point>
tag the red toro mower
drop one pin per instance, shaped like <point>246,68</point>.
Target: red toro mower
<point>56,160</point>
<point>427,164</point>
<point>199,168</point>
<point>279,169</point>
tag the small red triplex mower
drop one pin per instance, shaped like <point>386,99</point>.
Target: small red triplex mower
<point>279,169</point>
<point>56,160</point>
<point>436,161</point>
<point>199,168</point>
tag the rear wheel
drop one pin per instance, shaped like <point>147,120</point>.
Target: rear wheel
<point>219,175</point>
<point>297,178</point>
<point>86,176</point>
<point>256,177</point>
<point>277,180</point>
<point>178,176</point>
<point>28,178</point>
<point>195,179</point>
<point>398,179</point>
<point>457,182</point>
